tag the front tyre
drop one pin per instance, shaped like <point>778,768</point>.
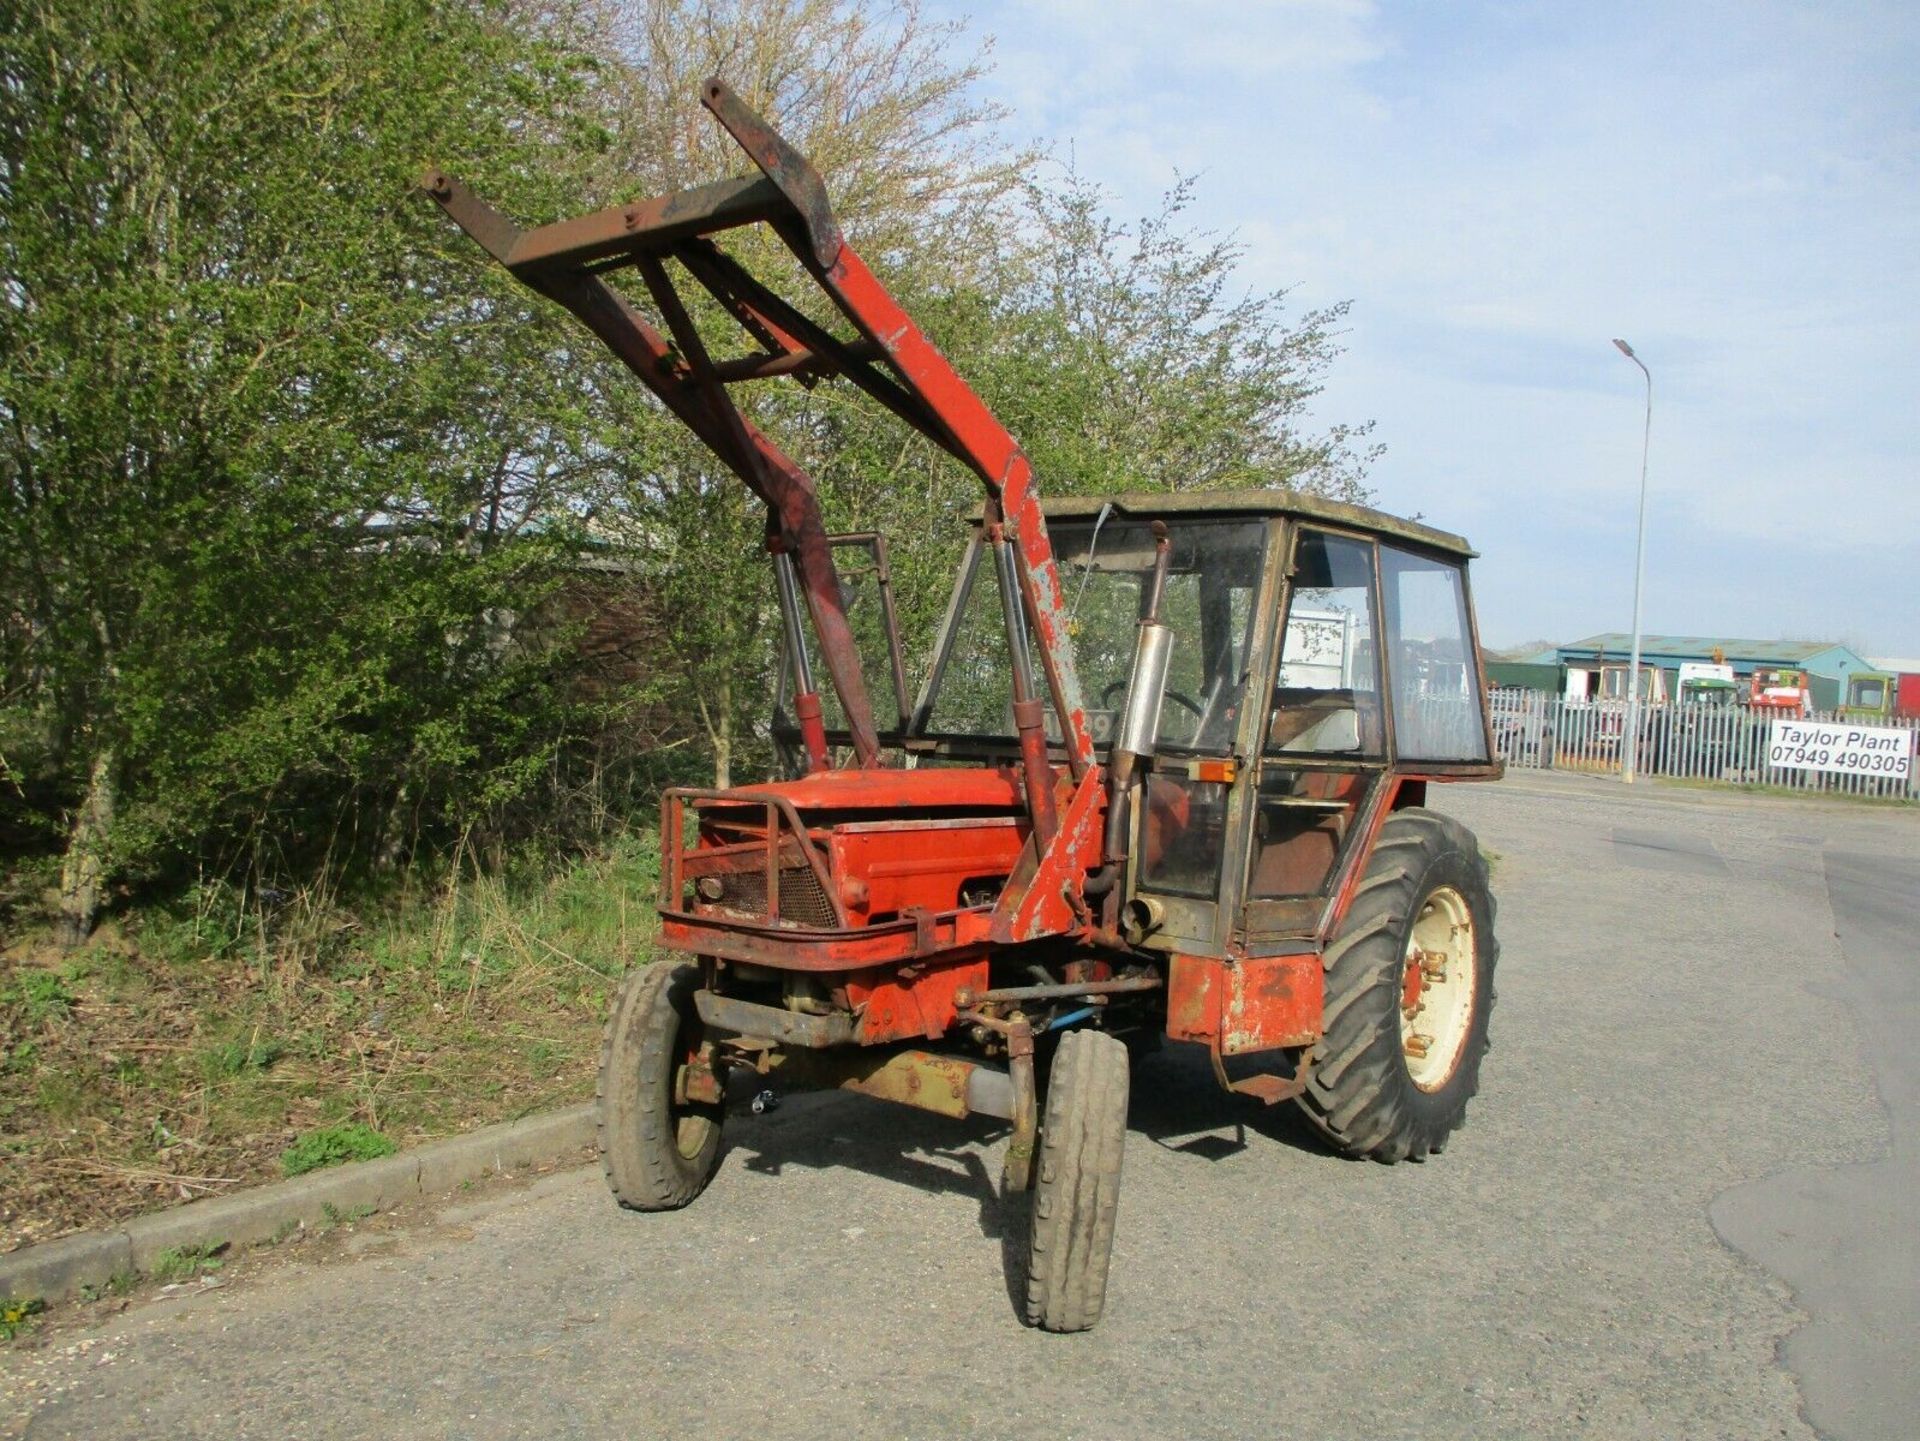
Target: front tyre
<point>658,1152</point>
<point>1409,989</point>
<point>1083,1139</point>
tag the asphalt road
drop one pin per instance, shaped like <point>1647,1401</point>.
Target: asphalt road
<point>1703,1007</point>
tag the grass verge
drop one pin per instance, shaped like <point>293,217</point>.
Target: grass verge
<point>192,1050</point>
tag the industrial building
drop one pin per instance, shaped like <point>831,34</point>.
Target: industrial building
<point>1574,669</point>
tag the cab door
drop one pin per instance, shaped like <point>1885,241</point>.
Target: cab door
<point>1325,739</point>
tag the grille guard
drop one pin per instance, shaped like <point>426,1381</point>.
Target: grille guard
<point>785,860</point>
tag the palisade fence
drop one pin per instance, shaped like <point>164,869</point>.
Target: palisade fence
<point>1536,731</point>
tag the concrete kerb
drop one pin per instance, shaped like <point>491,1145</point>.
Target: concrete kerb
<point>56,1270</point>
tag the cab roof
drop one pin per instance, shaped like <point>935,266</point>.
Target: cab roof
<point>1298,503</point>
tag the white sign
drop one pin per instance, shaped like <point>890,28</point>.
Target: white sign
<point>1848,749</point>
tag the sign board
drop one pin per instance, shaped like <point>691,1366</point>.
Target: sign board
<point>1318,654</point>
<point>1845,749</point>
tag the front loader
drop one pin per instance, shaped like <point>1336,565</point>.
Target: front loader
<point>1165,777</point>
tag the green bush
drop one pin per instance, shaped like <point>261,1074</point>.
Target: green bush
<point>333,1145</point>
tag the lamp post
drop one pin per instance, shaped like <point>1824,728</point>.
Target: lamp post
<point>1630,741</point>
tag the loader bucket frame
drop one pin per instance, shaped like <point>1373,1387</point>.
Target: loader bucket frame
<point>888,358</point>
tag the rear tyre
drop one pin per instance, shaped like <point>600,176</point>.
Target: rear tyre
<point>1083,1140</point>
<point>658,1153</point>
<point>1409,989</point>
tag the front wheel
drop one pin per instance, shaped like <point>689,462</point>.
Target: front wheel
<point>1409,988</point>
<point>1083,1139</point>
<point>658,1150</point>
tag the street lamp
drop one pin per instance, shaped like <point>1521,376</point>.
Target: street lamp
<point>1630,742</point>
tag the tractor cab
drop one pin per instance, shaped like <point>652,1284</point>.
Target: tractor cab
<point>1322,666</point>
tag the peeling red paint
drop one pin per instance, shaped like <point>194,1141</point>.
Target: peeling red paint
<point>1257,1003</point>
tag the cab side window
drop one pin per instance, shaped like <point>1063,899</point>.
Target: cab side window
<point>1436,707</point>
<point>1326,700</point>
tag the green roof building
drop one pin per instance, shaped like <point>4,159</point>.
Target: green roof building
<point>1827,663</point>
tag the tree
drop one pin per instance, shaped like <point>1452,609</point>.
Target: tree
<point>881,101</point>
<point>1125,361</point>
<point>1118,357</point>
<point>286,464</point>
<point>263,428</point>
<point>1121,360</point>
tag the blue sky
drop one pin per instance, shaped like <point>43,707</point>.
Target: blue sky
<point>1502,187</point>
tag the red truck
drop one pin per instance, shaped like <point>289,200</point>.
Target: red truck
<point>1780,693</point>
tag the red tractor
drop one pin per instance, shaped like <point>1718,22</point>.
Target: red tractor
<point>1182,795</point>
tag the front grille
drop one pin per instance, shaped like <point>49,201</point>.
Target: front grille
<point>802,898</point>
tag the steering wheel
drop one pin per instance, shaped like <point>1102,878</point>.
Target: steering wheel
<point>1112,693</point>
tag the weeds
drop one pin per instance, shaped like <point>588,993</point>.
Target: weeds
<point>185,1263</point>
<point>120,1283</point>
<point>333,1146</point>
<point>238,1058</point>
<point>332,1215</point>
<point>42,995</point>
<point>218,1040</point>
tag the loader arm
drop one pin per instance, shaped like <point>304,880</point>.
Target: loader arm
<point>888,358</point>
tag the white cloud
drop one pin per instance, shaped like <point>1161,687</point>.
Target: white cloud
<point>1501,189</point>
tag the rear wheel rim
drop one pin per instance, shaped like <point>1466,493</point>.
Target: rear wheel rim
<point>1436,1011</point>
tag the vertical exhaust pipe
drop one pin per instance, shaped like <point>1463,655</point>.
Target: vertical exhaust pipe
<point>1139,731</point>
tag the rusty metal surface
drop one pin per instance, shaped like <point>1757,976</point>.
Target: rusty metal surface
<point>1245,1004</point>
<point>773,1023</point>
<point>1271,1001</point>
<point>1266,1087</point>
<point>783,837</point>
<point>1193,1003</point>
<point>784,166</point>
<point>1067,990</point>
<point>652,225</point>
<point>916,1078</point>
<point>898,1005</point>
<point>888,870</point>
<point>945,1085</point>
<point>1036,904</point>
<point>798,948</point>
<point>1017,1171</point>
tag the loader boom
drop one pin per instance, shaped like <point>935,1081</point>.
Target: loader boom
<point>888,358</point>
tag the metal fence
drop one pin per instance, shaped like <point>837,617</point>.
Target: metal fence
<point>1535,731</point>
